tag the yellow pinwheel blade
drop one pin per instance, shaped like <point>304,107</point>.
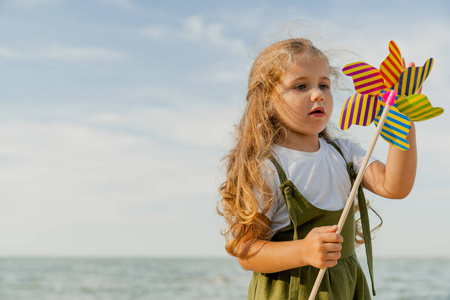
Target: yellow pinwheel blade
<point>412,78</point>
<point>359,109</point>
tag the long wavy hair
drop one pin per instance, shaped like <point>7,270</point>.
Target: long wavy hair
<point>259,128</point>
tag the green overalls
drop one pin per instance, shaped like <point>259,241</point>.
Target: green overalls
<point>346,280</point>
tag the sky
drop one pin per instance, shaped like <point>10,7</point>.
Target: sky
<point>115,115</point>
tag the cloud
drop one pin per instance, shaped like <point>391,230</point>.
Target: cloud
<point>121,4</point>
<point>162,93</point>
<point>154,32</point>
<point>66,53</point>
<point>245,19</point>
<point>196,30</point>
<point>225,72</point>
<point>8,53</point>
<point>36,2</point>
<point>73,179</point>
<point>195,126</point>
<point>80,173</point>
<point>132,7</point>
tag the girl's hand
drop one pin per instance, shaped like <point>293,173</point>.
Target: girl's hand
<point>411,64</point>
<point>322,247</point>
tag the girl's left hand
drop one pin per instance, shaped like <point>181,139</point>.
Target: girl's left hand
<point>411,64</point>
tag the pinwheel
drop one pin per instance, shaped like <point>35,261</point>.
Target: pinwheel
<point>386,96</point>
<point>366,106</point>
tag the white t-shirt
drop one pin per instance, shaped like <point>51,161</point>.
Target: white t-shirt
<point>321,177</point>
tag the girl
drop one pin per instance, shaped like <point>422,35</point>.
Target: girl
<point>287,182</point>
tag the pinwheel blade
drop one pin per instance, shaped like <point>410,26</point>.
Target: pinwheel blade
<point>392,66</point>
<point>418,108</point>
<point>412,78</point>
<point>395,128</point>
<point>366,78</point>
<point>359,109</point>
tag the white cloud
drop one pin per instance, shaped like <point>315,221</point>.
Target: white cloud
<point>8,53</point>
<point>121,4</point>
<point>63,181</point>
<point>165,93</point>
<point>66,53</point>
<point>36,2</point>
<point>244,19</point>
<point>195,29</point>
<point>76,173</point>
<point>155,32</point>
<point>201,127</point>
<point>69,53</point>
<point>135,7</point>
<point>224,72</point>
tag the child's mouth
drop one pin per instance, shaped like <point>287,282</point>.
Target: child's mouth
<point>319,111</point>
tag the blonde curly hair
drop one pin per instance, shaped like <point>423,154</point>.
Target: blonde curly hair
<point>257,131</point>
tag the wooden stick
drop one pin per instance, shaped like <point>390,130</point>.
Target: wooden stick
<point>356,184</point>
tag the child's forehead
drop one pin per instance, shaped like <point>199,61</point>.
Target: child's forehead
<point>306,63</point>
<point>307,58</point>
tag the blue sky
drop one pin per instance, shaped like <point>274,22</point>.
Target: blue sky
<point>114,116</point>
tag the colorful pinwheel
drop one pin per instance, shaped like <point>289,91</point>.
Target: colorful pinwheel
<point>367,104</point>
<point>388,97</point>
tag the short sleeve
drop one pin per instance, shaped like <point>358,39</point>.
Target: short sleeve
<point>355,153</point>
<point>269,173</point>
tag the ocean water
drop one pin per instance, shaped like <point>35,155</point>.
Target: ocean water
<point>187,279</point>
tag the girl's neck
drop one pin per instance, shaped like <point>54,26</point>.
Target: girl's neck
<point>301,142</point>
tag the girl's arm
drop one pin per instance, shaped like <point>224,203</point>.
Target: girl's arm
<point>395,179</point>
<point>320,248</point>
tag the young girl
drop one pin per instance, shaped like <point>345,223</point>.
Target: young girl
<point>287,182</point>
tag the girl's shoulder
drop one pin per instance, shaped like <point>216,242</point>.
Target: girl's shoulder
<point>352,151</point>
<point>348,147</point>
<point>345,144</point>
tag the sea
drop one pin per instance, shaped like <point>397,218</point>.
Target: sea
<point>85,278</point>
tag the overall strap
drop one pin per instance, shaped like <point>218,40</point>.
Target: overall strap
<point>286,189</point>
<point>366,233</point>
<point>364,217</point>
<point>350,171</point>
<point>280,171</point>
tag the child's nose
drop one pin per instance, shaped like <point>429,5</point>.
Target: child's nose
<point>317,95</point>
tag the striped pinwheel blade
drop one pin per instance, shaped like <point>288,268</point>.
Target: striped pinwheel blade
<point>366,78</point>
<point>395,128</point>
<point>392,66</point>
<point>412,78</point>
<point>359,109</point>
<point>418,108</point>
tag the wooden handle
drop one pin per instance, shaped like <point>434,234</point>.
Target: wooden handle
<point>351,197</point>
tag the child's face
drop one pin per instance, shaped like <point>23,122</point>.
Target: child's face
<point>306,102</point>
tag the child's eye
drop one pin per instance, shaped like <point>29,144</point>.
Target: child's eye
<point>324,86</point>
<point>300,87</point>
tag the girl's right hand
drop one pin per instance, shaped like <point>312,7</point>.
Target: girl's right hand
<point>322,247</point>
